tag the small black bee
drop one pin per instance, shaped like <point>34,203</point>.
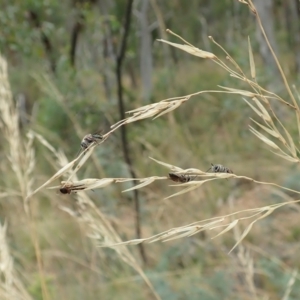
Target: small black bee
<point>219,169</point>
<point>89,139</point>
<point>69,188</point>
<point>181,177</point>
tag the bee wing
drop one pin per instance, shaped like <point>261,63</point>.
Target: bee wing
<point>98,135</point>
<point>79,151</point>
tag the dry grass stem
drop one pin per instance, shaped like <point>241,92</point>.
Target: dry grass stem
<point>190,49</point>
<point>261,111</point>
<point>209,224</point>
<point>251,60</point>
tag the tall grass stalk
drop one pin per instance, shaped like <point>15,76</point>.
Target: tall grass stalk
<point>21,158</point>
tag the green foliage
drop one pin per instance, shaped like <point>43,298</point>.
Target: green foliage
<point>208,287</point>
<point>277,280</point>
<point>52,116</point>
<point>35,289</point>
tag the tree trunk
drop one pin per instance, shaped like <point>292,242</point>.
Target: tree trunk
<point>146,64</point>
<point>292,13</point>
<point>108,52</point>
<point>265,11</point>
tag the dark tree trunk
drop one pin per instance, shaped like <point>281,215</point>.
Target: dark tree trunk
<point>126,151</point>
<point>146,64</point>
<point>265,11</point>
<point>292,13</point>
<point>76,30</point>
<point>35,20</point>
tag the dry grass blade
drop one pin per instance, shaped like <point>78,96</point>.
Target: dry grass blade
<point>171,167</point>
<point>188,233</point>
<point>151,110</point>
<point>268,130</point>
<point>173,106</point>
<point>178,232</point>
<point>247,230</point>
<point>145,182</point>
<point>59,173</point>
<point>264,138</point>
<point>259,113</point>
<point>190,49</point>
<point>208,224</point>
<point>156,109</point>
<point>292,147</point>
<point>188,189</point>
<point>251,60</point>
<point>43,141</point>
<point>189,230</point>
<point>228,228</point>
<point>192,185</point>
<point>239,92</point>
<point>286,157</point>
<point>84,157</point>
<point>265,113</point>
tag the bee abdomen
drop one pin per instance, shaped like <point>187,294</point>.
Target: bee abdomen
<point>220,169</point>
<point>89,139</point>
<point>180,177</point>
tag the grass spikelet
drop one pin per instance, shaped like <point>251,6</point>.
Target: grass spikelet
<point>209,224</point>
<point>190,49</point>
<point>192,185</point>
<point>264,138</point>
<point>251,60</point>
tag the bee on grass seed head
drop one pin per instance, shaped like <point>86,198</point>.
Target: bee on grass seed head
<point>69,188</point>
<point>181,177</point>
<point>89,139</point>
<point>219,169</point>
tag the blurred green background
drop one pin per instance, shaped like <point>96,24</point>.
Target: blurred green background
<point>62,61</point>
